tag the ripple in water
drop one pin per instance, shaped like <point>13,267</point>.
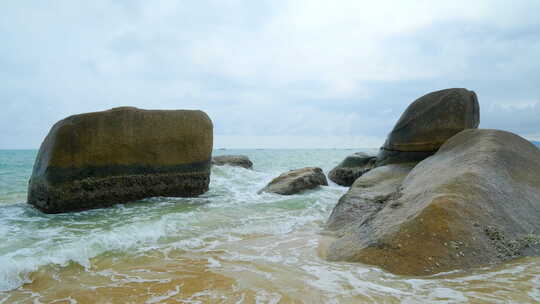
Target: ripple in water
<point>228,246</point>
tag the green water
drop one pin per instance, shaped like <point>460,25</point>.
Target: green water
<point>229,245</point>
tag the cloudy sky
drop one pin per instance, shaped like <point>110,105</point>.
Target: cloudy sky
<point>271,74</point>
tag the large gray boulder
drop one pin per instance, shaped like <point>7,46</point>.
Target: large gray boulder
<point>427,123</point>
<point>351,168</point>
<point>476,202</point>
<point>99,159</point>
<point>296,181</point>
<point>232,160</point>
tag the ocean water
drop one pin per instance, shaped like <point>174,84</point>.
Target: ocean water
<point>229,245</point>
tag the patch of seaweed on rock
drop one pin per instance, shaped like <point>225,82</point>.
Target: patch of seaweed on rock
<point>510,248</point>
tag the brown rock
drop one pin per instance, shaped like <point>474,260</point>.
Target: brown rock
<point>98,159</point>
<point>427,123</point>
<point>296,181</point>
<point>351,168</point>
<point>476,202</point>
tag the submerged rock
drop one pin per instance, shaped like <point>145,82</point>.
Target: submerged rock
<point>351,168</point>
<point>427,123</point>
<point>296,181</point>
<point>232,160</point>
<point>474,203</point>
<point>99,159</point>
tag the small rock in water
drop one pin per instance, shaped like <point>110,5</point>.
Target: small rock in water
<point>233,160</point>
<point>351,168</point>
<point>296,181</point>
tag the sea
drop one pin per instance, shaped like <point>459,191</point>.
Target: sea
<point>230,245</point>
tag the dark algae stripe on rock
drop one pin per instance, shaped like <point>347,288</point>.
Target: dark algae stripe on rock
<point>427,123</point>
<point>98,159</point>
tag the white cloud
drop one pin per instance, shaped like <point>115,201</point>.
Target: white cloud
<point>319,69</point>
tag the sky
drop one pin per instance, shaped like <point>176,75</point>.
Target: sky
<point>270,74</point>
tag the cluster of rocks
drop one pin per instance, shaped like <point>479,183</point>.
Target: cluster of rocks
<point>288,183</point>
<point>99,159</point>
<point>440,195</point>
<point>424,126</point>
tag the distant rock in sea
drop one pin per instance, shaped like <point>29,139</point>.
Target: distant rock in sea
<point>427,123</point>
<point>233,160</point>
<point>476,202</point>
<point>351,168</point>
<point>99,159</point>
<point>296,181</point>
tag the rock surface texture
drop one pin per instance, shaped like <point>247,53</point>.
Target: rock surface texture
<point>232,160</point>
<point>98,159</point>
<point>351,168</point>
<point>296,181</point>
<point>476,202</point>
<point>367,195</point>
<point>427,123</point>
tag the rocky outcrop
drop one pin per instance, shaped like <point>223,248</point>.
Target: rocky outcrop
<point>351,168</point>
<point>474,203</point>
<point>366,196</point>
<point>98,159</point>
<point>232,160</point>
<point>427,123</point>
<point>296,181</point>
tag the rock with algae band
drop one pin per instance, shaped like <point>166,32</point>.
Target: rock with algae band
<point>427,123</point>
<point>98,159</point>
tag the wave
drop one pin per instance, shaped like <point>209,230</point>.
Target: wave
<point>231,208</point>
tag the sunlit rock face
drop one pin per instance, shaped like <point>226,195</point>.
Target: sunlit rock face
<point>427,123</point>
<point>99,159</point>
<point>475,202</point>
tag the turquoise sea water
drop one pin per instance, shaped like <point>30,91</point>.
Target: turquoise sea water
<point>229,245</point>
